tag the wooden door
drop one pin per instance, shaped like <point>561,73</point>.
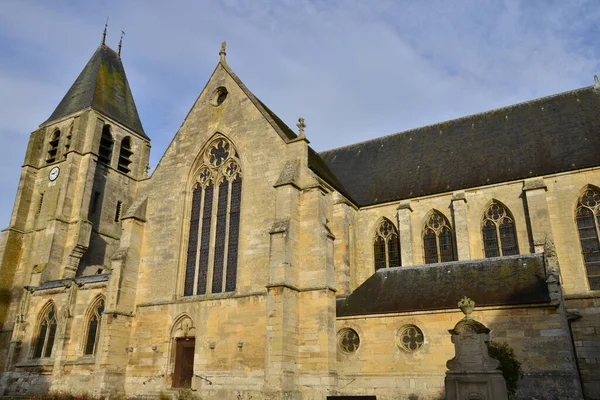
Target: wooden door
<point>184,362</point>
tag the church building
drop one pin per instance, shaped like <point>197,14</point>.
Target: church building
<point>250,266</point>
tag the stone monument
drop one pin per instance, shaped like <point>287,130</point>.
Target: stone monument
<point>472,374</point>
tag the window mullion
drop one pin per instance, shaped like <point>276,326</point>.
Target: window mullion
<point>437,244</point>
<point>226,243</point>
<point>497,225</point>
<point>46,338</point>
<point>387,253</point>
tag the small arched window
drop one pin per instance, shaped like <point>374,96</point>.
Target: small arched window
<point>93,331</point>
<point>211,265</point>
<point>498,230</point>
<point>45,333</point>
<point>438,241</point>
<point>588,225</point>
<point>125,156</point>
<point>106,146</point>
<point>386,246</point>
<point>53,147</point>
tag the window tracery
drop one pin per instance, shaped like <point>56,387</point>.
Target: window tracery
<point>93,332</point>
<point>438,241</point>
<point>588,225</point>
<point>498,230</point>
<point>211,265</point>
<point>410,338</point>
<point>386,246</point>
<point>348,340</point>
<point>46,333</point>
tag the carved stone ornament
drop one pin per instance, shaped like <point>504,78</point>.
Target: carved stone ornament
<point>466,305</point>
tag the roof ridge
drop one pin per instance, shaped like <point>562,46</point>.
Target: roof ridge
<point>466,117</point>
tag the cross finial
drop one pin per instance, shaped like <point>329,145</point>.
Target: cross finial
<point>104,33</point>
<point>222,53</point>
<point>121,42</point>
<point>301,125</point>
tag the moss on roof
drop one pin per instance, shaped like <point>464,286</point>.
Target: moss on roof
<point>102,85</point>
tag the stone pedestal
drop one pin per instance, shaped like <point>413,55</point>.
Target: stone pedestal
<point>472,374</point>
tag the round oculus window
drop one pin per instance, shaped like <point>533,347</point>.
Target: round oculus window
<point>218,96</point>
<point>410,338</point>
<point>348,340</point>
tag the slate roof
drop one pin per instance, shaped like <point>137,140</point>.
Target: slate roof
<point>540,137</point>
<point>510,280</point>
<point>102,85</point>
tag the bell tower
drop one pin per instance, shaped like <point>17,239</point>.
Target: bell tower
<point>81,172</point>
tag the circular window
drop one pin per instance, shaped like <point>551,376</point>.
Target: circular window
<point>410,338</point>
<point>219,96</point>
<point>348,340</point>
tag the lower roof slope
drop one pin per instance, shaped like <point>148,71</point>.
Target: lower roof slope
<point>497,281</point>
<point>544,136</point>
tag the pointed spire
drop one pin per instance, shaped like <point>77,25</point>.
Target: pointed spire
<point>104,33</point>
<point>120,43</point>
<point>222,53</point>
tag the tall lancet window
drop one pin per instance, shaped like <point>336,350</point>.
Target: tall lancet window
<point>212,249</point>
<point>438,240</point>
<point>93,331</point>
<point>588,225</point>
<point>46,332</point>
<point>498,230</point>
<point>386,246</point>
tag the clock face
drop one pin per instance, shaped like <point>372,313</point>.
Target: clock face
<point>53,174</point>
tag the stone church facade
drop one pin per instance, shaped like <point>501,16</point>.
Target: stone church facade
<point>250,266</point>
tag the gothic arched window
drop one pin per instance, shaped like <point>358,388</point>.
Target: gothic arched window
<point>53,147</point>
<point>211,265</point>
<point>438,241</point>
<point>125,155</point>
<point>498,230</point>
<point>588,225</point>
<point>386,246</point>
<point>92,333</point>
<point>106,146</point>
<point>45,333</point>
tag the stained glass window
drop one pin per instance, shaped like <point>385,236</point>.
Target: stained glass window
<point>386,246</point>
<point>46,333</point>
<point>216,225</point>
<point>205,239</point>
<point>217,281</point>
<point>438,239</point>
<point>93,332</point>
<point>234,227</point>
<point>498,231</point>
<point>588,225</point>
<point>190,265</point>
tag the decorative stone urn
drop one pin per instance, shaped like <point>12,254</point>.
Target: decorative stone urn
<point>472,374</point>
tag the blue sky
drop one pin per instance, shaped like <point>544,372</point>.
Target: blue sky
<point>354,70</point>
